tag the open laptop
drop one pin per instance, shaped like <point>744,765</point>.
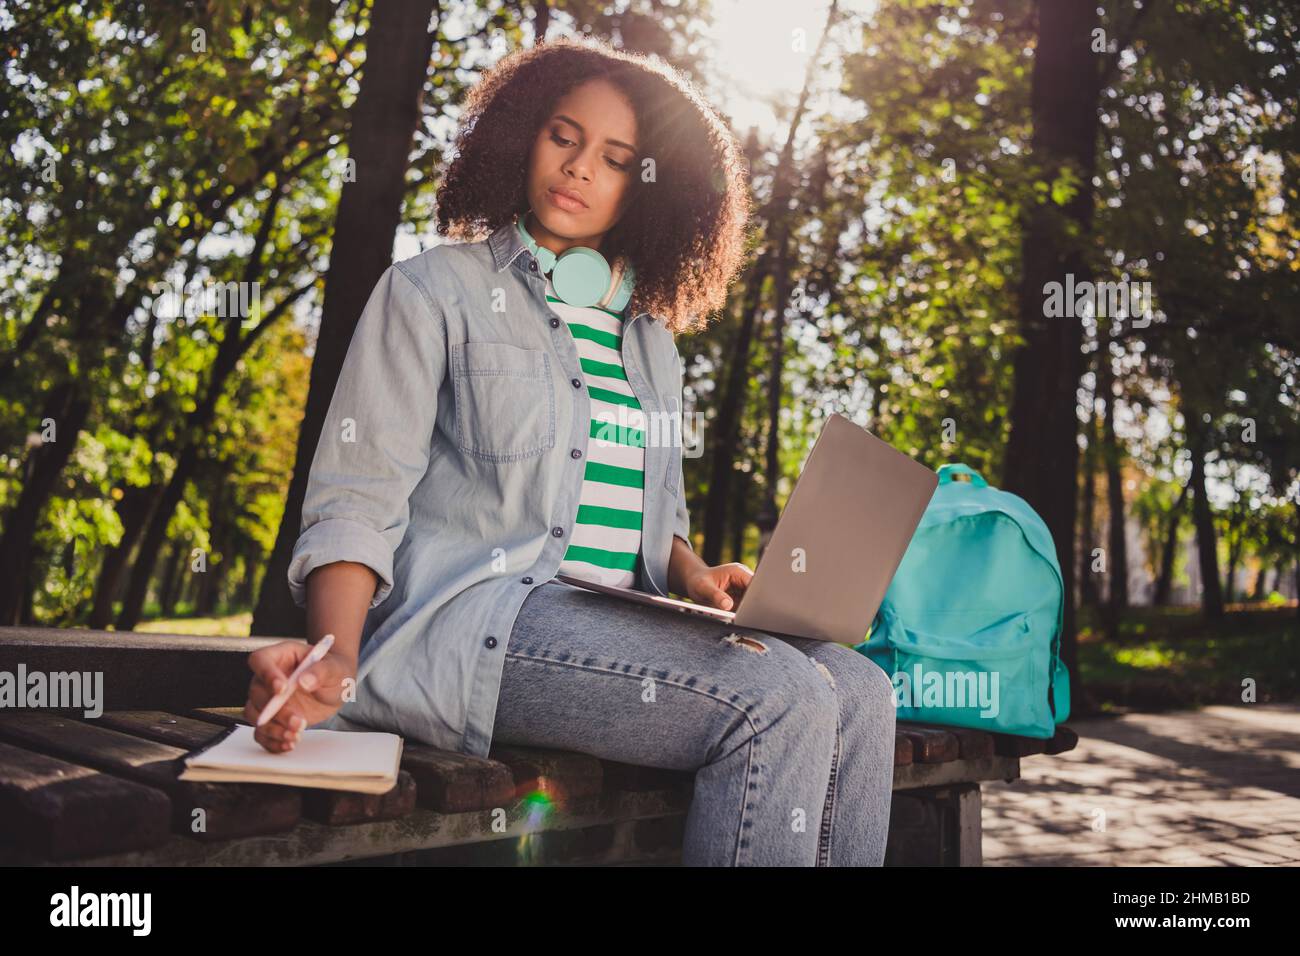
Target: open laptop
<point>835,549</point>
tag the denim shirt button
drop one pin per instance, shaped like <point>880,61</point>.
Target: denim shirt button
<point>532,266</point>
<point>577,383</point>
<point>490,642</point>
<point>575,453</point>
<point>555,323</point>
<point>528,580</point>
<point>558,532</point>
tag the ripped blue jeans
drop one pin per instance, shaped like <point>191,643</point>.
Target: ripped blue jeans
<point>791,740</point>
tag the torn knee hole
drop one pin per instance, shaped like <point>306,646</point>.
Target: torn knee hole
<point>751,644</point>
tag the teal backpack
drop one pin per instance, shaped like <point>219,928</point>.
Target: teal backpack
<point>970,628</point>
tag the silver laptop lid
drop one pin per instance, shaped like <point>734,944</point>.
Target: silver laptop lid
<point>840,539</point>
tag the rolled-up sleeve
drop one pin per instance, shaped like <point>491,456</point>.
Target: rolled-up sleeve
<point>374,444</point>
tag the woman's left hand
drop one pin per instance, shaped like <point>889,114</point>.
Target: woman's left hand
<point>711,586</point>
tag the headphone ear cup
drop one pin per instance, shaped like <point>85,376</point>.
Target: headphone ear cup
<point>581,276</point>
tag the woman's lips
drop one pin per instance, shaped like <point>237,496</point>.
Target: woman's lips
<point>567,203</point>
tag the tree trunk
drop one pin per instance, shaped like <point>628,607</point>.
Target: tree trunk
<point>1087,582</point>
<point>1164,583</point>
<point>1206,547</point>
<point>769,510</point>
<point>171,580</point>
<point>383,123</point>
<point>133,510</point>
<point>245,595</point>
<point>1117,593</point>
<point>158,579</point>
<point>69,408</point>
<point>28,616</point>
<point>189,586</point>
<point>1297,566</point>
<point>782,190</point>
<point>154,537</point>
<point>739,518</point>
<point>1234,559</point>
<point>219,560</point>
<point>1041,463</point>
<point>1257,594</point>
<point>726,424</point>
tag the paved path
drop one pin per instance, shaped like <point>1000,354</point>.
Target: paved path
<point>1213,787</point>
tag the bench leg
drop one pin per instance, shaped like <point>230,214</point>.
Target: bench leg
<point>935,826</point>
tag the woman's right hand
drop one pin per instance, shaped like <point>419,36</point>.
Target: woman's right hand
<point>318,695</point>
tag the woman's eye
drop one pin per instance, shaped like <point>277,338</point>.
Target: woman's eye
<point>559,140</point>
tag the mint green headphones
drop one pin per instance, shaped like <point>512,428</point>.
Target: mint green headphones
<point>581,276</point>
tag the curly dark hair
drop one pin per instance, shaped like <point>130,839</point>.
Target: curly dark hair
<point>686,246</point>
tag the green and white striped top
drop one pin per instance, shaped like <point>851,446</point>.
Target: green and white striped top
<point>607,537</point>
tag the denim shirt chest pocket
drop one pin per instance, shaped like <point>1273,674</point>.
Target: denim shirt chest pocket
<point>505,404</point>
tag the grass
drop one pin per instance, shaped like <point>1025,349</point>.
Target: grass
<point>1169,658</point>
<point>231,625</point>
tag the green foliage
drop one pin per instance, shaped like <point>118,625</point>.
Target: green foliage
<point>136,157</point>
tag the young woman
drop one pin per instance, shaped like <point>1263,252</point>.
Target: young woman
<point>508,410</point>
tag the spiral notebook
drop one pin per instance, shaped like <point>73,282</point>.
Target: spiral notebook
<point>362,761</point>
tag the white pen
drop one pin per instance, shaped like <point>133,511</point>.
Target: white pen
<point>275,703</point>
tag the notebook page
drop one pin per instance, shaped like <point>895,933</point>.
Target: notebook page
<point>318,752</point>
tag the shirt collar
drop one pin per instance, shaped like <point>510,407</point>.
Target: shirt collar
<point>505,245</point>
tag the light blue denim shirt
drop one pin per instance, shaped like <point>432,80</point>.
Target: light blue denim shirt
<point>451,463</point>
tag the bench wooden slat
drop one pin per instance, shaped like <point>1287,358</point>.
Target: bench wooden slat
<point>231,809</point>
<point>331,807</point>
<point>176,730</point>
<point>217,715</point>
<point>560,774</point>
<point>930,745</point>
<point>452,782</point>
<point>972,744</point>
<point>902,749</point>
<point>345,807</point>
<point>59,811</point>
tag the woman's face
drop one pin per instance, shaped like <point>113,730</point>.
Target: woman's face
<point>588,149</point>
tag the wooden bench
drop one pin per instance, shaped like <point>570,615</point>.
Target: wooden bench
<point>104,790</point>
